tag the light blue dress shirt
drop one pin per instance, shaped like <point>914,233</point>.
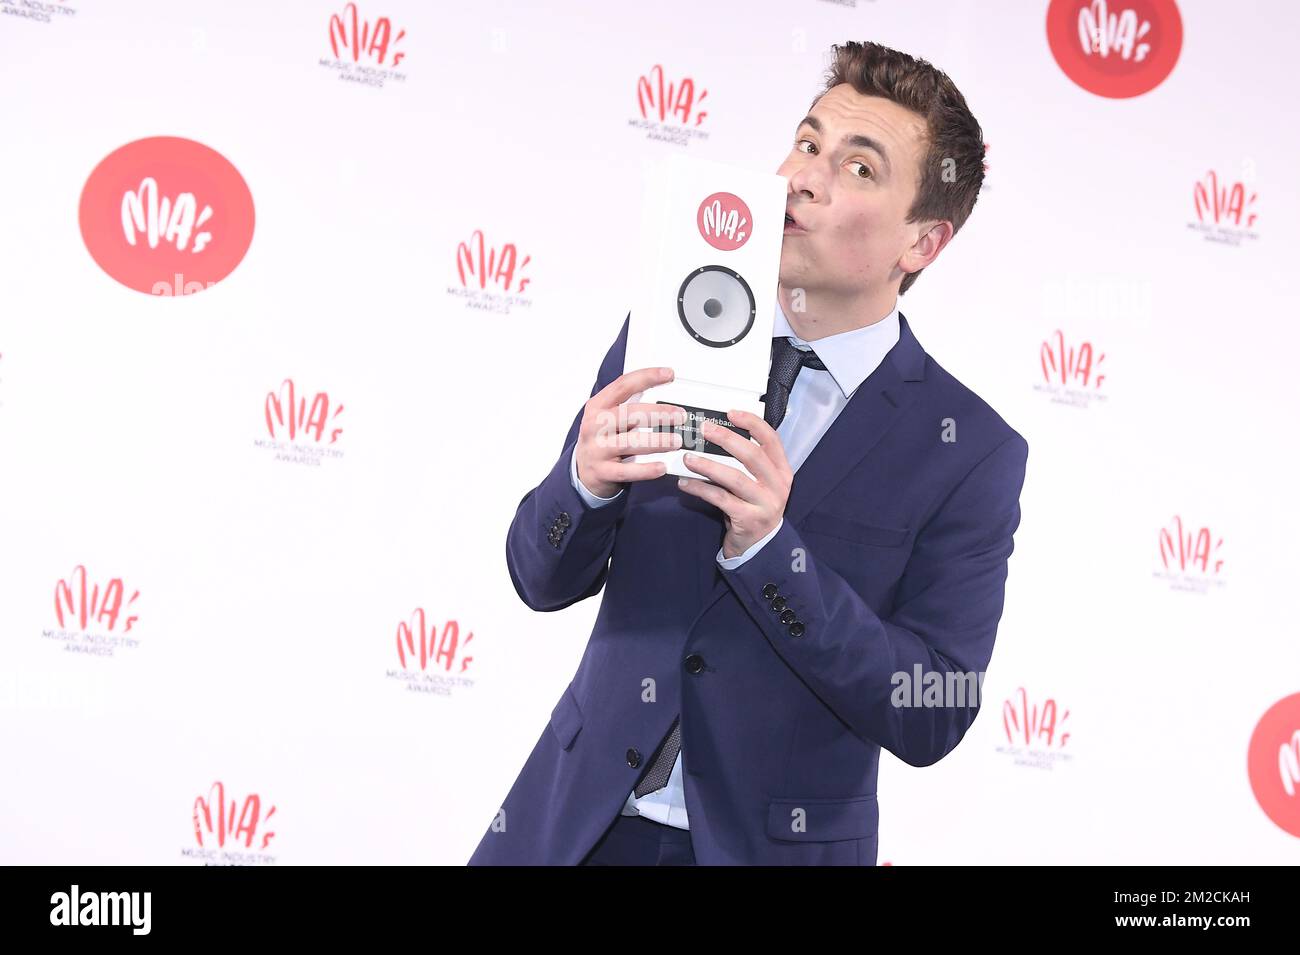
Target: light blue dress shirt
<point>816,400</point>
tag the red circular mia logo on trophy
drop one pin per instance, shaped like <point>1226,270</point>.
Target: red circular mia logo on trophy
<point>166,216</point>
<point>1115,48</point>
<point>1273,762</point>
<point>724,221</point>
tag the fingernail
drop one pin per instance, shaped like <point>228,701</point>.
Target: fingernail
<point>665,373</point>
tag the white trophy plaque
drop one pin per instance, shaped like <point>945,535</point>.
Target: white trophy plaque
<point>710,258</point>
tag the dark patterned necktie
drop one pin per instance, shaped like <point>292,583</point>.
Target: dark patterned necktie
<point>787,361</point>
<point>657,776</point>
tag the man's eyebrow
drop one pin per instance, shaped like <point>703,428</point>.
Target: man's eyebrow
<point>862,142</point>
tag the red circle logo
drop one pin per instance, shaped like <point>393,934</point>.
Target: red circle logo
<point>1273,762</point>
<point>1115,48</point>
<point>166,216</point>
<point>724,221</point>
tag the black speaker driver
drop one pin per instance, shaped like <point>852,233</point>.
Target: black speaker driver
<point>716,306</point>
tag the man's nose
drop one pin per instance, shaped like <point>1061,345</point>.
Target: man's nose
<point>798,181</point>
<point>800,178</point>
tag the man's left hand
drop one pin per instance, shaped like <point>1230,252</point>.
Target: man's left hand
<point>752,507</point>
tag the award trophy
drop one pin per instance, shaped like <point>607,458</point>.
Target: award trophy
<point>710,258</point>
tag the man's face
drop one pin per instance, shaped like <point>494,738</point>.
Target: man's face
<point>853,172</point>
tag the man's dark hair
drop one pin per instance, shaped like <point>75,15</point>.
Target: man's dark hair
<point>952,132</point>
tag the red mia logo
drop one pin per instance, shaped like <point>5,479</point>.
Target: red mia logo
<point>440,650</point>
<point>249,818</point>
<point>70,596</point>
<point>1070,363</point>
<point>362,37</point>
<point>166,216</point>
<point>1273,763</point>
<point>1192,548</point>
<point>723,220</point>
<point>1117,54</point>
<point>283,411</point>
<point>1222,202</point>
<point>679,99</point>
<point>1102,33</point>
<point>476,259</point>
<point>1033,723</point>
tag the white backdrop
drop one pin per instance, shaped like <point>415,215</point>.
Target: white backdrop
<point>265,577</point>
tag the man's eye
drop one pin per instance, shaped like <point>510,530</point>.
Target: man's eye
<point>864,166</point>
<point>800,142</point>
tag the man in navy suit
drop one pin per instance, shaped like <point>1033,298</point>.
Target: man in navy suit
<point>760,639</point>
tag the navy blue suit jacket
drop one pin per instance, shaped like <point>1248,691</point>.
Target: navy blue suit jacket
<point>893,554</point>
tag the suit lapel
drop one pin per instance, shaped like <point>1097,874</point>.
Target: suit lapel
<point>879,402</point>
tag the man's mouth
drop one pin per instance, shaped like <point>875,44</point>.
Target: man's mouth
<point>792,224</point>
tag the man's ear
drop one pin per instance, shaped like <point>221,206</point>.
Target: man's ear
<point>933,235</point>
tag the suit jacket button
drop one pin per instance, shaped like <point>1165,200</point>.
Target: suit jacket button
<point>694,663</point>
<point>769,591</point>
<point>787,616</point>
<point>797,629</point>
<point>778,603</point>
<point>564,518</point>
<point>633,758</point>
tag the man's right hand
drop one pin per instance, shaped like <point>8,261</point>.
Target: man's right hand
<point>606,434</point>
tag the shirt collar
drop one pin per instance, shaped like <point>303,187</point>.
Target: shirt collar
<point>849,356</point>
